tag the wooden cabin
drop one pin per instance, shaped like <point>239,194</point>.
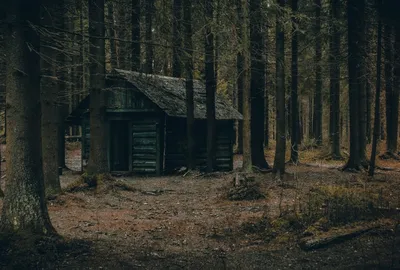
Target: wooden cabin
<point>146,120</point>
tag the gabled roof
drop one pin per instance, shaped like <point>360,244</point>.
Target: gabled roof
<point>169,94</point>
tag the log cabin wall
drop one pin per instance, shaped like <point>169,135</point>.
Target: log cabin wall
<point>175,152</point>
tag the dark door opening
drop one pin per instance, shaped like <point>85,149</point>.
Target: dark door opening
<point>119,152</point>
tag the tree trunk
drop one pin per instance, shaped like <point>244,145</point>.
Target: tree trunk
<point>266,92</point>
<point>257,87</point>
<point>123,13</point>
<point>368,84</point>
<point>355,15</point>
<point>362,89</point>
<point>187,25</point>
<point>377,119</point>
<point>279,161</point>
<point>210,87</point>
<point>50,86</point>
<point>136,51</point>
<point>24,208</point>
<point>294,154</point>
<point>396,90</point>
<point>98,158</point>
<point>177,39</point>
<point>334,68</point>
<point>318,76</point>
<point>240,70</point>
<point>149,6</point>
<point>111,35</point>
<point>388,31</point>
<point>246,95</point>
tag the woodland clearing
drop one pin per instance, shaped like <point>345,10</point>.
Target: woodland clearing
<point>187,222</point>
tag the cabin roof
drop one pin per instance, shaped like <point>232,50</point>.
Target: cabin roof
<point>169,94</point>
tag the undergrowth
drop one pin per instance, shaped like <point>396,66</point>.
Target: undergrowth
<point>100,183</point>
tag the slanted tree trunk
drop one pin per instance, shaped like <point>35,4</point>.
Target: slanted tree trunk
<point>210,86</point>
<point>377,116</point>
<point>355,15</point>
<point>135,47</point>
<point>149,7</point>
<point>188,60</point>
<point>24,209</point>
<point>50,86</point>
<point>240,71</point>
<point>294,154</point>
<point>279,161</point>
<point>177,38</point>
<point>257,86</point>
<point>98,159</point>
<point>317,125</point>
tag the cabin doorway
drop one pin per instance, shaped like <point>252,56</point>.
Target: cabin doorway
<point>119,145</point>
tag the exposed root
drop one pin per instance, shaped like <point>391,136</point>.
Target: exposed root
<point>352,168</point>
<point>37,252</point>
<point>389,155</point>
<point>101,183</point>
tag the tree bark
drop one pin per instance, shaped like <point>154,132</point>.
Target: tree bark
<point>98,158</point>
<point>149,6</point>
<point>396,92</point>
<point>246,94</point>
<point>318,76</point>
<point>355,15</point>
<point>362,88</point>
<point>123,17</point>
<point>257,85</point>
<point>210,86</point>
<point>388,31</point>
<point>187,25</point>
<point>24,209</point>
<point>377,119</point>
<point>294,154</point>
<point>177,39</point>
<point>334,65</point>
<point>240,71</point>
<point>279,161</point>
<point>111,35</point>
<point>50,86</point>
<point>135,47</point>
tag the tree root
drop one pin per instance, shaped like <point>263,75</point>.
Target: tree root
<point>389,155</point>
<point>101,183</point>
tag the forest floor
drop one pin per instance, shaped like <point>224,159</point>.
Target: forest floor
<point>188,222</point>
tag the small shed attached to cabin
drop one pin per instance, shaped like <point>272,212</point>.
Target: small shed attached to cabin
<point>146,120</point>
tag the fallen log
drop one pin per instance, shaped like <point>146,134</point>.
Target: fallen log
<point>333,237</point>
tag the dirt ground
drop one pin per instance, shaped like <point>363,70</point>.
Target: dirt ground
<point>187,222</point>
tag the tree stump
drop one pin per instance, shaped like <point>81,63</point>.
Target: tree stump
<point>244,188</point>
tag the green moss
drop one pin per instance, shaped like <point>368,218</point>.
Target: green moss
<point>339,205</point>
